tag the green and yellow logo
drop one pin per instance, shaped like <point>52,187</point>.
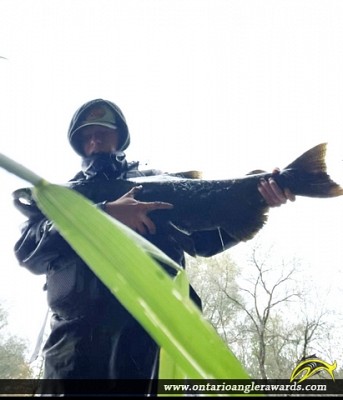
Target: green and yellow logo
<point>312,365</point>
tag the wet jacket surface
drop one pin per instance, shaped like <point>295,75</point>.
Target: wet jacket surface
<point>92,335</point>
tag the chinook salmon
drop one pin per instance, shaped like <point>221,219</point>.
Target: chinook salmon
<point>234,205</point>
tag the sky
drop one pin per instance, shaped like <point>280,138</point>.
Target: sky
<point>216,85</point>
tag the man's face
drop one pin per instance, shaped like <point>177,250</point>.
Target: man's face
<point>99,139</point>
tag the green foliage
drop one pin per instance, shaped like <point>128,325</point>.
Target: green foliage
<point>12,353</point>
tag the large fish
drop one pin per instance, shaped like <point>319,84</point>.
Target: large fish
<point>234,205</point>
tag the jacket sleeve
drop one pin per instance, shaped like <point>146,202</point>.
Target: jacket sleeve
<point>39,245</point>
<point>209,243</point>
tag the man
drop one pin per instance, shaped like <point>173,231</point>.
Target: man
<point>92,335</point>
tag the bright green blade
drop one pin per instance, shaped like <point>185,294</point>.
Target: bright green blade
<point>168,368</point>
<point>139,284</point>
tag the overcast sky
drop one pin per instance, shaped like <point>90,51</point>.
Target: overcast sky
<point>218,85</point>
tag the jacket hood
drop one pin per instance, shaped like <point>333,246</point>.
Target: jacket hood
<point>80,119</point>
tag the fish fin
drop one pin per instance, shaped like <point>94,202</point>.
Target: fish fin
<point>187,174</point>
<point>256,171</point>
<point>246,228</point>
<point>312,161</point>
<point>310,175</point>
<point>183,239</point>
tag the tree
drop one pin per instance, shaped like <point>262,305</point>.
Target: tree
<point>212,278</point>
<point>12,353</point>
<point>266,290</point>
<point>242,313</point>
<point>263,313</point>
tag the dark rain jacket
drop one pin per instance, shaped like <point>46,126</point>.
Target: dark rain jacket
<point>92,335</point>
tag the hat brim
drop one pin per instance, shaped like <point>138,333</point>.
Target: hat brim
<point>107,125</point>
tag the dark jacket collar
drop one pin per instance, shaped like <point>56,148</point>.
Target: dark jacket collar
<point>112,165</point>
<point>108,166</point>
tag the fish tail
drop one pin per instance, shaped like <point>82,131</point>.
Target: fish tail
<point>307,175</point>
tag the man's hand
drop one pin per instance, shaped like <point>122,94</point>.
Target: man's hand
<point>272,193</point>
<point>134,213</point>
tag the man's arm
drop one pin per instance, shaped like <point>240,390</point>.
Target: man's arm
<point>38,245</point>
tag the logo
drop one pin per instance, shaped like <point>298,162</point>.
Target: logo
<point>101,115</point>
<point>312,365</point>
<point>96,113</point>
